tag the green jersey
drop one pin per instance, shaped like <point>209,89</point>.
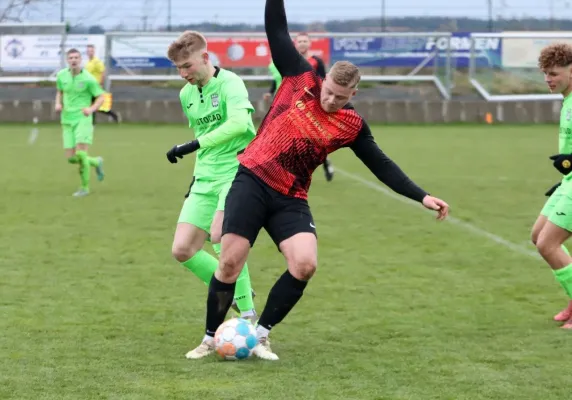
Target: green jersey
<point>78,93</point>
<point>275,74</point>
<point>208,109</point>
<point>565,132</point>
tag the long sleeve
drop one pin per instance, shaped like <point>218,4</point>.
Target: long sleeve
<point>284,55</point>
<point>383,167</point>
<point>235,125</point>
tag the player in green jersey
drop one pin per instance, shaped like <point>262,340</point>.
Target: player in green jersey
<point>554,224</point>
<point>216,104</point>
<point>76,89</point>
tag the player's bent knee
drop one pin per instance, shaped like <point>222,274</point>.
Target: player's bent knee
<point>183,252</point>
<point>230,267</point>
<point>303,268</point>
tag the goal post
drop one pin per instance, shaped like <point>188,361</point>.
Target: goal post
<point>31,52</point>
<point>516,77</point>
<point>141,56</point>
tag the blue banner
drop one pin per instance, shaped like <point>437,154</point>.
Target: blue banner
<point>411,51</point>
<point>141,62</point>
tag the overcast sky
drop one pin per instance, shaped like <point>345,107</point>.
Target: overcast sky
<point>134,12</point>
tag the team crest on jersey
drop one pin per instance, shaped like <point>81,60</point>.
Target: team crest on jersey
<point>214,100</point>
<point>568,114</point>
<point>80,85</point>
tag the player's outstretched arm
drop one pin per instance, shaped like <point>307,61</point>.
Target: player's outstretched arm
<point>287,59</point>
<point>367,150</point>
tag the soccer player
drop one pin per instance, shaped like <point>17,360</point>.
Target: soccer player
<point>303,43</point>
<point>97,68</point>
<point>216,104</point>
<point>75,90</point>
<point>310,118</point>
<point>554,224</point>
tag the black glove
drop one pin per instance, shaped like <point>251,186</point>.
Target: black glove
<point>563,163</point>
<point>182,149</point>
<point>552,189</point>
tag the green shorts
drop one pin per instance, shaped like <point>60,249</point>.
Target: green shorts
<point>204,200</point>
<point>558,207</point>
<point>77,132</point>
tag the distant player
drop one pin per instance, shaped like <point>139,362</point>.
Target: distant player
<point>310,118</point>
<point>76,89</point>
<point>554,224</point>
<point>96,67</point>
<point>303,44</point>
<point>216,104</point>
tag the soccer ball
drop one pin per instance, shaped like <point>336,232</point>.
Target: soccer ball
<point>235,339</point>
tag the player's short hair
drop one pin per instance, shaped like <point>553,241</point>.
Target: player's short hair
<point>73,51</point>
<point>188,43</point>
<point>303,34</point>
<point>91,45</point>
<point>555,55</point>
<point>344,73</point>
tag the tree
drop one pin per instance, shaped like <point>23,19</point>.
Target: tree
<point>13,10</point>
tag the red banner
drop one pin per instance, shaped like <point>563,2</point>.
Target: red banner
<point>252,53</point>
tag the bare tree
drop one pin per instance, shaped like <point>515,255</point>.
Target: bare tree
<point>13,10</point>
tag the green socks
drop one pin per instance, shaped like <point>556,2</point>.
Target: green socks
<point>84,162</point>
<point>203,265</point>
<point>243,288</point>
<point>564,277</point>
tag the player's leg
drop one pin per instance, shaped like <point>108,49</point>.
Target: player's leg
<point>244,216</point>
<point>243,293</point>
<point>550,244</point>
<point>540,222</point>
<point>293,229</point>
<point>193,227</point>
<point>84,138</point>
<point>328,169</point>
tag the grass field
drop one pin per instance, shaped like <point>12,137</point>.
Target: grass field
<point>402,307</point>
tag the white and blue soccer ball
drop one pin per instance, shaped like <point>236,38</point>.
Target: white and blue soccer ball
<point>235,339</point>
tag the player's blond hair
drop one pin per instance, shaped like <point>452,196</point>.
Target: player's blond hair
<point>555,55</point>
<point>187,44</point>
<point>344,73</point>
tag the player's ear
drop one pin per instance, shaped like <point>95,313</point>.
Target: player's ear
<point>205,57</point>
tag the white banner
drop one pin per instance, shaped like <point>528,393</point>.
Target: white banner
<point>43,52</point>
<point>524,52</point>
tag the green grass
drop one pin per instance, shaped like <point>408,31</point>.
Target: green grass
<point>92,306</point>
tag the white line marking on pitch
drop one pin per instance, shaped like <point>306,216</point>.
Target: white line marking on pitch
<point>481,232</point>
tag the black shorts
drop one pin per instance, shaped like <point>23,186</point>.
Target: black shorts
<point>251,205</point>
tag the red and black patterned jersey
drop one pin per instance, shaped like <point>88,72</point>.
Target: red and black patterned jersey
<point>296,135</point>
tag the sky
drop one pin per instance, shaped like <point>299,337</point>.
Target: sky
<point>153,13</point>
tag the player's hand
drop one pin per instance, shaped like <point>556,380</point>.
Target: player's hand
<point>178,151</point>
<point>552,189</point>
<point>58,107</point>
<point>433,203</point>
<point>87,111</point>
<point>562,162</point>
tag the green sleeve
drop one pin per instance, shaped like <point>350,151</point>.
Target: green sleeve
<point>235,94</point>
<point>235,125</point>
<point>275,74</point>
<point>95,89</point>
<point>59,84</point>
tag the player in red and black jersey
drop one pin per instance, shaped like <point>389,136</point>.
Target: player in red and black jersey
<point>308,119</point>
<point>302,42</point>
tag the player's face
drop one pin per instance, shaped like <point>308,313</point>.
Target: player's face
<point>557,78</point>
<point>333,96</point>
<point>90,52</point>
<point>194,69</point>
<point>74,60</point>
<point>302,44</point>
